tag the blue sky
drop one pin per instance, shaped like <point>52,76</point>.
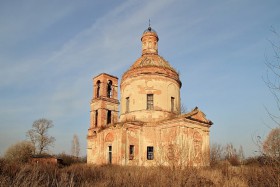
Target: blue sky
<point>50,50</point>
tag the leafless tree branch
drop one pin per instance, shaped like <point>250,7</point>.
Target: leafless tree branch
<point>39,137</point>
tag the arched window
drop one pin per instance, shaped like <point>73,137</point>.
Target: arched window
<point>98,88</point>
<point>109,89</point>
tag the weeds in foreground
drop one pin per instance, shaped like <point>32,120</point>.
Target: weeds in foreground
<point>12,174</point>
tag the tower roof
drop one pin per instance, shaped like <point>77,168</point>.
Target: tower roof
<point>150,62</point>
<point>149,29</point>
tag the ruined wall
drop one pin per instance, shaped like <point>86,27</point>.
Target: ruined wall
<point>175,143</point>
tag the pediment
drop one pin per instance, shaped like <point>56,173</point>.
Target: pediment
<point>197,115</point>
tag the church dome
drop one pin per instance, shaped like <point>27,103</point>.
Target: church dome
<point>150,62</point>
<point>150,88</point>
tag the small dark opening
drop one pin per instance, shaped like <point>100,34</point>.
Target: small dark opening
<point>172,104</point>
<point>109,89</point>
<point>150,153</point>
<point>96,118</point>
<point>98,88</point>
<point>131,152</point>
<point>110,154</point>
<point>109,117</point>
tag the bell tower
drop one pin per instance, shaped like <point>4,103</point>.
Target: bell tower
<point>104,104</point>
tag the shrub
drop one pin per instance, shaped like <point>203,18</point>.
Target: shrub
<point>234,160</point>
<point>69,159</point>
<point>19,152</point>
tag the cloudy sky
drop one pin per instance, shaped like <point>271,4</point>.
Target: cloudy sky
<point>50,50</point>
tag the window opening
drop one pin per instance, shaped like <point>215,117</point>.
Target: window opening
<point>110,154</point>
<point>109,116</point>
<point>131,152</point>
<point>96,118</point>
<point>98,89</point>
<point>109,89</point>
<point>150,153</point>
<point>127,105</point>
<point>150,101</point>
<point>172,104</point>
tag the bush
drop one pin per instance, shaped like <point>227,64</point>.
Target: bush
<point>262,161</point>
<point>69,159</point>
<point>20,152</point>
<point>234,160</point>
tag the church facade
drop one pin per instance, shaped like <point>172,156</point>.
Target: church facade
<point>150,129</point>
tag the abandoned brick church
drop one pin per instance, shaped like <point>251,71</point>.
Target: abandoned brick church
<point>150,128</point>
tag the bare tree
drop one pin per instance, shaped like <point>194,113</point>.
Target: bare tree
<point>39,137</point>
<point>19,152</point>
<point>230,151</point>
<point>271,145</point>
<point>216,154</point>
<point>75,146</point>
<point>271,153</point>
<point>241,154</point>
<point>272,79</point>
<point>232,155</point>
<point>183,108</point>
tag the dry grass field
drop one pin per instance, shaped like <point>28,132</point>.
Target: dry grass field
<point>12,174</point>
